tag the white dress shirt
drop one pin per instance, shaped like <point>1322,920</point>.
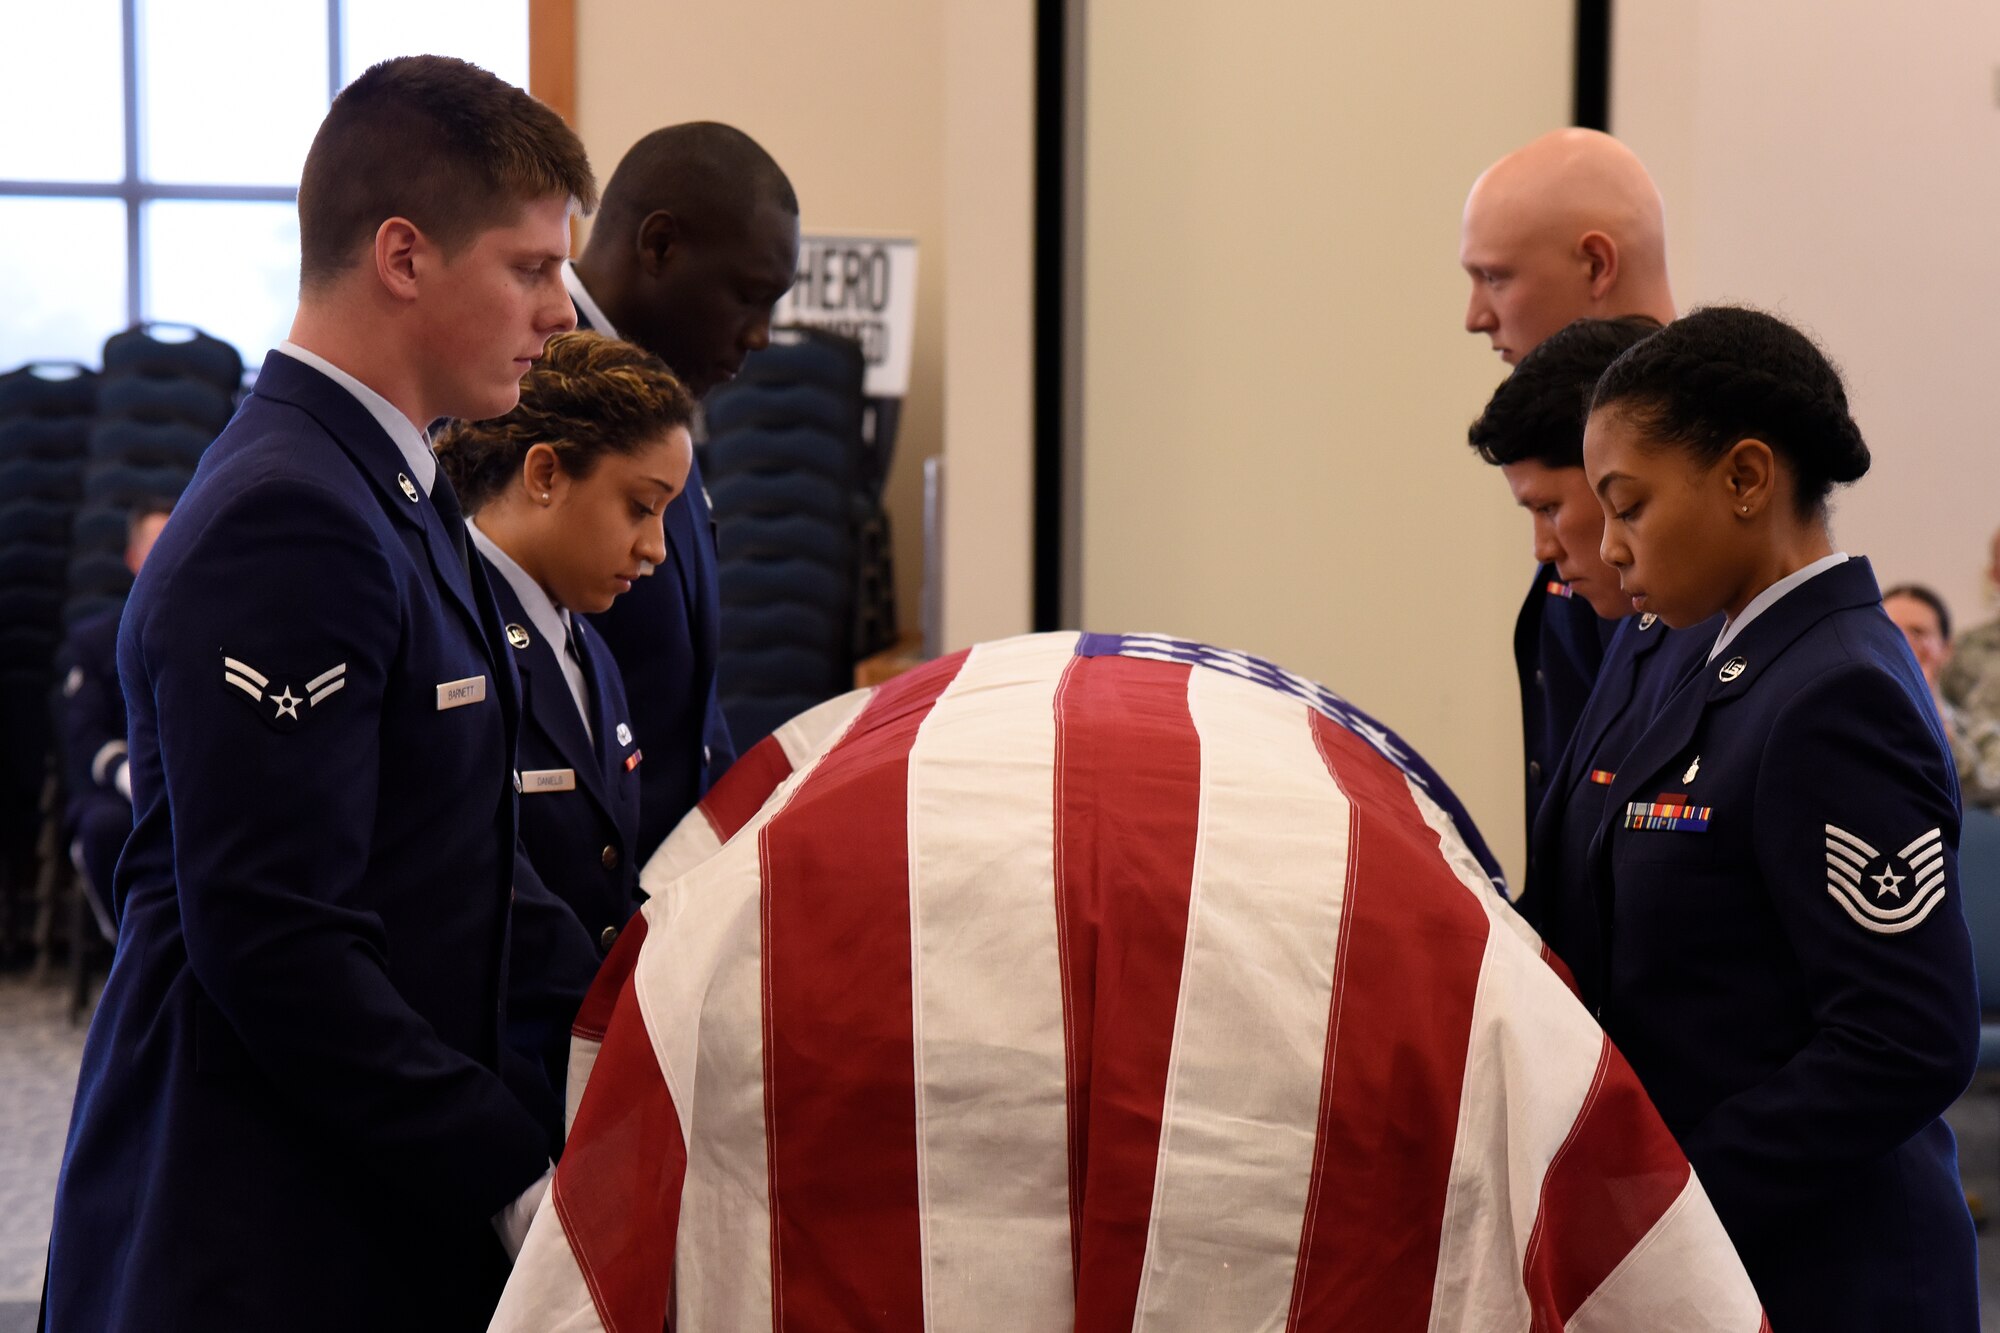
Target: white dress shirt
<point>409,437</point>
<point>584,305</point>
<point>1771,596</point>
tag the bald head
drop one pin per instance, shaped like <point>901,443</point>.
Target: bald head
<point>1568,227</point>
<point>696,239</point>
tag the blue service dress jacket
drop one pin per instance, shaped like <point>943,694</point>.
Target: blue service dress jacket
<point>1558,644</point>
<point>289,1113</point>
<point>90,738</point>
<point>1641,667</point>
<point>579,813</point>
<point>1787,965</point>
<point>665,636</point>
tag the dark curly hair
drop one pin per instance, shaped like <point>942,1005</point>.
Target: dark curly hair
<point>1729,373</point>
<point>586,396</point>
<point>1537,413</point>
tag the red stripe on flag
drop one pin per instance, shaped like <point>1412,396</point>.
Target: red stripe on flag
<point>1607,1186</point>
<point>735,800</point>
<point>618,1187</point>
<point>1412,939</point>
<point>839,1055</point>
<point>1128,797</point>
<point>593,1016</point>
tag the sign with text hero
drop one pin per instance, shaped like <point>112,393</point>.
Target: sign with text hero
<point>866,288</point>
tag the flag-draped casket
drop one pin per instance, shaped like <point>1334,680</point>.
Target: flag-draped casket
<point>1101,982</point>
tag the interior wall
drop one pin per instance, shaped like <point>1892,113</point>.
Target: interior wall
<point>1277,377</point>
<point>850,99</point>
<point>1838,162</point>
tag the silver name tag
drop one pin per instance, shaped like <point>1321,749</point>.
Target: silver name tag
<point>547,779</point>
<point>459,693</point>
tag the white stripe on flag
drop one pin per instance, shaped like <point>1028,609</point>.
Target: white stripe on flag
<point>989,1040</point>
<point>546,1292</point>
<point>1243,1087</point>
<point>1531,1059</point>
<point>804,739</point>
<point>1671,1282</point>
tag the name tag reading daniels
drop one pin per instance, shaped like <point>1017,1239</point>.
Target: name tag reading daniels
<point>459,693</point>
<point>547,779</point>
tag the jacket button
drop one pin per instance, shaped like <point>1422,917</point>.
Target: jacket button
<point>608,938</point>
<point>1541,677</point>
<point>1534,775</point>
<point>609,858</point>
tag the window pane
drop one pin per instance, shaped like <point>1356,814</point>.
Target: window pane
<point>62,99</point>
<point>229,268</point>
<point>492,34</point>
<point>65,278</point>
<point>234,89</point>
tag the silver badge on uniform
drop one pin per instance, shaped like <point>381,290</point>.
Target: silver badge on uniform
<point>1885,893</point>
<point>547,779</point>
<point>280,707</point>
<point>517,636</point>
<point>1693,769</point>
<point>1647,621</point>
<point>409,487</point>
<point>624,734</point>
<point>1731,669</point>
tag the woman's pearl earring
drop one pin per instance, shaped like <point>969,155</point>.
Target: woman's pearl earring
<point>545,500</point>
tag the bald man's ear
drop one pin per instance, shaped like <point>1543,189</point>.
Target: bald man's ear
<point>658,234</point>
<point>1600,252</point>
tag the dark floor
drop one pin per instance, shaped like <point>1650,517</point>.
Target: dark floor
<point>39,1051</point>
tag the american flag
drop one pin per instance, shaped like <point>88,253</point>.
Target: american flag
<point>1101,982</point>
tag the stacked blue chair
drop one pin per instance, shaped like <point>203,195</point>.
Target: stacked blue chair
<point>166,392</point>
<point>45,415</point>
<point>787,468</point>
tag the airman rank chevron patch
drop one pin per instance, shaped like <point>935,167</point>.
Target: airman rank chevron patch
<point>1885,893</point>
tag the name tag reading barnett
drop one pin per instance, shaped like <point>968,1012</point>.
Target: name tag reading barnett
<point>547,779</point>
<point>459,693</point>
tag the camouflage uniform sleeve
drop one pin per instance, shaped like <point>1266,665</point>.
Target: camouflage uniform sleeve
<point>1975,750</point>
<point>1971,680</point>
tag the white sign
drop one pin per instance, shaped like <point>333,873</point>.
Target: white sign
<point>864,287</point>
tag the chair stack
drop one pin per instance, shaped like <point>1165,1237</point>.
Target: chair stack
<point>787,471</point>
<point>166,392</point>
<point>45,415</point>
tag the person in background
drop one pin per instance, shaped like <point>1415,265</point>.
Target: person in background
<point>292,1111</point>
<point>1567,227</point>
<point>697,240</point>
<point>1970,680</point>
<point>1532,429</point>
<point>564,499</point>
<point>1784,959</point>
<point>90,731</point>
<point>1975,742</point>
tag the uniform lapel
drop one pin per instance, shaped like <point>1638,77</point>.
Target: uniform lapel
<point>546,691</point>
<point>361,437</point>
<point>1729,675</point>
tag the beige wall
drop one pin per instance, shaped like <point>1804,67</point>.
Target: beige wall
<point>1277,377</point>
<point>1838,162</point>
<point>849,98</point>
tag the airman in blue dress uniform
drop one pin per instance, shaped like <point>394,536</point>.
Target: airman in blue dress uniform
<point>291,1112</point>
<point>1566,227</point>
<point>1784,959</point>
<point>1532,429</point>
<point>567,495</point>
<point>697,241</point>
